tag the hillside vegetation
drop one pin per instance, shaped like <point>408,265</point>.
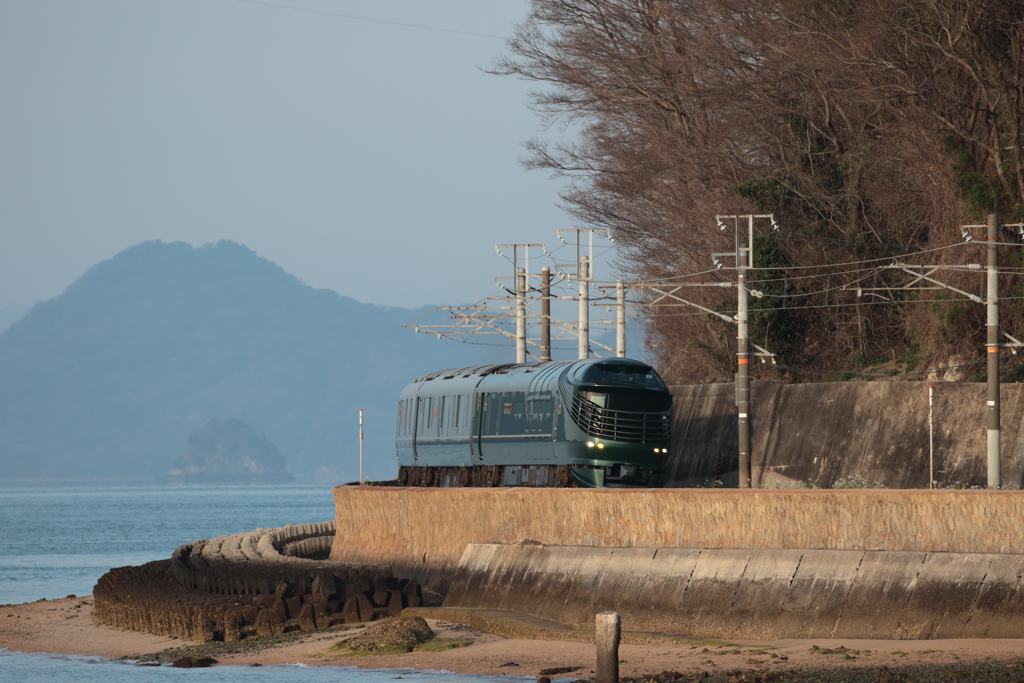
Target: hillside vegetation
<point>871,130</point>
<point>108,380</point>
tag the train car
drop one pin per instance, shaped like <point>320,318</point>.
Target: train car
<point>587,423</point>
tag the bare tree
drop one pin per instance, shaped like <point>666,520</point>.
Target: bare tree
<point>868,128</point>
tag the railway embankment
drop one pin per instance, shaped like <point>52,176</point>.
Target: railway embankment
<point>716,563</point>
<point>819,433</point>
<point>757,564</point>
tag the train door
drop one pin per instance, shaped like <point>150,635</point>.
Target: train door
<point>417,420</point>
<point>476,421</point>
<point>490,417</point>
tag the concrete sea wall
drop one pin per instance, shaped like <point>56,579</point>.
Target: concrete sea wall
<point>427,529</point>
<point>819,433</point>
<point>758,594</point>
<point>701,562</point>
<point>720,563</point>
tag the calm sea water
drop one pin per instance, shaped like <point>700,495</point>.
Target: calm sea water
<point>28,668</point>
<point>59,541</point>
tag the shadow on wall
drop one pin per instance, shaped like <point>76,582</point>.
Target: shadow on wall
<point>817,434</point>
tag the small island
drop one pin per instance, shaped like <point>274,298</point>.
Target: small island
<point>229,452</point>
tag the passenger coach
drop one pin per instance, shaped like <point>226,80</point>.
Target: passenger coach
<point>587,423</point>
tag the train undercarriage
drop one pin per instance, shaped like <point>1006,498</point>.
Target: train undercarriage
<point>547,476</point>
<point>498,475</point>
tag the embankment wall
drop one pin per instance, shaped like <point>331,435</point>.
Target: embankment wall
<point>708,562</point>
<point>822,432</point>
<point>758,594</point>
<point>423,532</point>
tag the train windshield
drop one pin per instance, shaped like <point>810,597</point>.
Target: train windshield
<point>621,375</point>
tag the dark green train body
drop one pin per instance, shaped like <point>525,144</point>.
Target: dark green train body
<point>604,422</point>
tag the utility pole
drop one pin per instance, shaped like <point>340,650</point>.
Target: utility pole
<point>744,260</point>
<point>992,345</point>
<point>743,370</point>
<point>620,319</point>
<point>360,446</point>
<point>545,314</point>
<point>995,478</point>
<point>584,316</point>
<point>931,437</point>
<point>520,315</point>
<point>511,314</point>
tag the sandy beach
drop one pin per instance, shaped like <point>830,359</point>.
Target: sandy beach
<point>67,626</point>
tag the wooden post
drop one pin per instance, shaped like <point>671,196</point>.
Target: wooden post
<point>609,632</point>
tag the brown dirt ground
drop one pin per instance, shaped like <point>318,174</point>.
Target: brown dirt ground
<point>67,626</point>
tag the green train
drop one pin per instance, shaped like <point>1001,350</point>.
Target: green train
<point>587,423</point>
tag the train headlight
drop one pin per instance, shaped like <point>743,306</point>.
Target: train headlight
<point>600,445</point>
<point>590,444</point>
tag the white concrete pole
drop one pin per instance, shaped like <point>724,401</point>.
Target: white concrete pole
<point>584,282</point>
<point>620,327</point>
<point>545,313</point>
<point>995,477</point>
<point>931,437</point>
<point>360,445</point>
<point>743,371</point>
<point>520,315</point>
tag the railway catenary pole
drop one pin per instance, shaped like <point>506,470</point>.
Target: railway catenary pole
<point>360,445</point>
<point>743,369</point>
<point>992,348</point>
<point>620,319</point>
<point>931,437</point>
<point>584,316</point>
<point>545,313</point>
<point>520,315</point>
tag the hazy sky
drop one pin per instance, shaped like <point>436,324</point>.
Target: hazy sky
<point>370,158</point>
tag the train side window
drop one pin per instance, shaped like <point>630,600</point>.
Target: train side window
<point>492,408</point>
<point>458,412</point>
<point>440,415</point>
<point>540,406</point>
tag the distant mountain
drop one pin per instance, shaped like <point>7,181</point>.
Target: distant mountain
<point>12,314</point>
<point>108,380</point>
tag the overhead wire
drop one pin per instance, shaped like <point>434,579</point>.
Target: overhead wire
<point>874,373</point>
<point>797,308</point>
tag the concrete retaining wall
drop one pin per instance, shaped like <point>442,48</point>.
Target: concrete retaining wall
<point>422,532</point>
<point>822,432</point>
<point>758,594</point>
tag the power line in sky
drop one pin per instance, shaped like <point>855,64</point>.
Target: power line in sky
<point>375,21</point>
